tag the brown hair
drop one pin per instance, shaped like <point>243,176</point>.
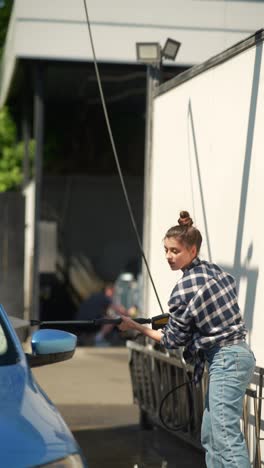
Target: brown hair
<point>185,232</point>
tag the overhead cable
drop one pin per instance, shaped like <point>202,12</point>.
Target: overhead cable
<point>129,207</point>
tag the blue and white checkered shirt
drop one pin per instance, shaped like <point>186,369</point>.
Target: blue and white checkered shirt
<point>204,313</point>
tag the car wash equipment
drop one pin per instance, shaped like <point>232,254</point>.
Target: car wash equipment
<point>158,321</point>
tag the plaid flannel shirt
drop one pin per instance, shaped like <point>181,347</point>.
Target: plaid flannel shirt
<point>204,313</point>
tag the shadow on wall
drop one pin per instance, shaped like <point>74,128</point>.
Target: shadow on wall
<point>194,141</point>
<point>241,271</point>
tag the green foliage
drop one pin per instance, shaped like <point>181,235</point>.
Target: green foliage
<point>11,151</point>
<point>5,12</point>
<point>7,129</point>
<point>11,154</point>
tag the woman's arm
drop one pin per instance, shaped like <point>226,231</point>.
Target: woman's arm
<point>129,324</point>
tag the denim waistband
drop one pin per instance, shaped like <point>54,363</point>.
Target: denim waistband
<point>214,349</point>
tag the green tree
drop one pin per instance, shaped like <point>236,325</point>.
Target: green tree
<point>11,153</point>
<point>5,11</point>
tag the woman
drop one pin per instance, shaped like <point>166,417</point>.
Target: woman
<point>205,318</point>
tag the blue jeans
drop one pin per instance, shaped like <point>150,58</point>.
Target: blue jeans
<point>230,371</point>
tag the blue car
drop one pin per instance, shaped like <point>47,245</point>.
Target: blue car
<point>32,431</point>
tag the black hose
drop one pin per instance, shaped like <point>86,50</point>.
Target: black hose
<point>178,427</point>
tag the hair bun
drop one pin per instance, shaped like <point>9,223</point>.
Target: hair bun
<point>185,219</point>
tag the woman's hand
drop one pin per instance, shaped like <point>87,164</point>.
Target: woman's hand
<point>127,323</point>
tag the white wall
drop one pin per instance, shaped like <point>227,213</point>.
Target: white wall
<point>204,27</point>
<point>208,159</point>
<point>29,193</point>
<point>57,29</point>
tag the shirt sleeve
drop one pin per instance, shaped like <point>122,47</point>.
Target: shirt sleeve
<point>178,331</point>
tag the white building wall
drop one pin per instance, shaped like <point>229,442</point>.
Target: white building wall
<point>208,159</point>
<point>29,193</point>
<point>57,29</point>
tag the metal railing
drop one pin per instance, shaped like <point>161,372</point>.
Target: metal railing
<point>250,420</point>
<point>155,372</point>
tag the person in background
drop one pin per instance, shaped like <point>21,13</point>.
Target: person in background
<point>97,306</point>
<point>205,318</point>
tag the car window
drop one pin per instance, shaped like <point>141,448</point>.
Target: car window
<point>8,352</point>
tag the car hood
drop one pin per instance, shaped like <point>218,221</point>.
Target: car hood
<point>32,432</point>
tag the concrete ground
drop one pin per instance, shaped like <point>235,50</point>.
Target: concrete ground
<point>93,393</point>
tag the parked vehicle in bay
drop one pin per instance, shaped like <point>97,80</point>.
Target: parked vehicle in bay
<point>32,431</point>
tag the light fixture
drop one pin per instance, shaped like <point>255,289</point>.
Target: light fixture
<point>151,53</point>
<point>170,49</point>
<point>148,52</point>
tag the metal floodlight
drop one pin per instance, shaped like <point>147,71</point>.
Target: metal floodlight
<point>170,49</point>
<point>148,52</point>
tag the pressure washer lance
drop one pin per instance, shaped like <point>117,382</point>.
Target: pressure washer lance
<point>156,322</point>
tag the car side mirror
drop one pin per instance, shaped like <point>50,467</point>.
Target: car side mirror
<point>50,346</point>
